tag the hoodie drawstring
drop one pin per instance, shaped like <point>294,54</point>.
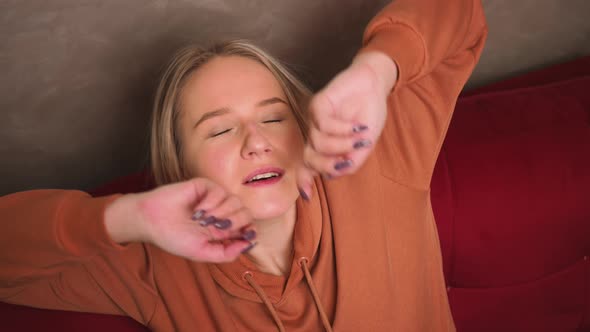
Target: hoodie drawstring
<point>248,276</point>
<point>314,293</point>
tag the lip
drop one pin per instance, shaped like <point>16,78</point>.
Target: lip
<point>262,170</point>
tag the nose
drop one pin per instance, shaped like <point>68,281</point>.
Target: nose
<point>255,143</point>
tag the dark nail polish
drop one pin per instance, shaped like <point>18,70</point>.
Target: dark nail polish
<point>198,215</point>
<point>361,144</point>
<point>222,224</point>
<point>303,195</point>
<point>359,128</point>
<point>343,164</point>
<point>248,248</point>
<point>207,221</point>
<point>249,235</point>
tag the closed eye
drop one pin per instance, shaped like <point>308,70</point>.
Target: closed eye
<point>273,121</point>
<point>220,133</point>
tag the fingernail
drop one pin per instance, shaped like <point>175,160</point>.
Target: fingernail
<point>222,224</point>
<point>207,221</point>
<point>343,164</point>
<point>328,176</point>
<point>198,215</point>
<point>361,144</point>
<point>303,195</point>
<point>249,247</point>
<point>249,235</point>
<point>359,128</point>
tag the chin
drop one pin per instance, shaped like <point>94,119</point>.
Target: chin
<point>269,209</point>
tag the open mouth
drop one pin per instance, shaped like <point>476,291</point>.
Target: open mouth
<point>264,176</point>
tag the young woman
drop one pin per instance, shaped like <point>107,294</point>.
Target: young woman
<point>358,252</point>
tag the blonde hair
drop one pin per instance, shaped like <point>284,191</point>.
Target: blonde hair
<point>165,145</point>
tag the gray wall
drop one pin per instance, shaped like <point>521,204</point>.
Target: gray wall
<point>78,76</point>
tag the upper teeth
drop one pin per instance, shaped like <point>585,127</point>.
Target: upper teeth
<point>264,176</point>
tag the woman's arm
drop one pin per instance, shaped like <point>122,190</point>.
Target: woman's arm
<point>63,249</point>
<point>435,44</point>
<point>401,88</point>
<point>53,249</point>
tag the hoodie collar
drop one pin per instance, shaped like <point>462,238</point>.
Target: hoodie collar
<point>306,240</point>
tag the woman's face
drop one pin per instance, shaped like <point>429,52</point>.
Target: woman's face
<point>237,129</point>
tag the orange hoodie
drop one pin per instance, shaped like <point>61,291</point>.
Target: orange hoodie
<point>372,259</point>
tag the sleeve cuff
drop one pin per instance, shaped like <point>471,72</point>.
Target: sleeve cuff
<point>402,44</point>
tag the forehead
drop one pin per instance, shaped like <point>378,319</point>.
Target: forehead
<point>228,81</point>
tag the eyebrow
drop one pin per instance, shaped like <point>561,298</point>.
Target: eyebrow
<point>270,101</point>
<point>225,110</point>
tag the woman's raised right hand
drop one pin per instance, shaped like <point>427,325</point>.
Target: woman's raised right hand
<point>195,219</point>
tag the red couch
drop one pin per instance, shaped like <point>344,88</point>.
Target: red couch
<point>511,196</point>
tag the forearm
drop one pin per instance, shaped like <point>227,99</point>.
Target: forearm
<point>43,230</point>
<point>121,219</point>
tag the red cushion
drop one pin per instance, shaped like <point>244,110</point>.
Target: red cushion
<point>510,194</point>
<point>19,318</point>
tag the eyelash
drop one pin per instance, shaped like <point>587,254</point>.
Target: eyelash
<point>220,133</point>
<point>273,121</point>
<point>227,130</point>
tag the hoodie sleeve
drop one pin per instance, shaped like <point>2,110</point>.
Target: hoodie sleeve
<point>55,253</point>
<point>435,44</point>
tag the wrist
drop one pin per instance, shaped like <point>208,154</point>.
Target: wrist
<point>121,220</point>
<point>382,66</point>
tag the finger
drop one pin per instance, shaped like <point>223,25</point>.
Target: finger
<point>329,120</point>
<point>335,166</point>
<point>241,219</point>
<point>332,126</point>
<point>195,189</point>
<point>331,165</point>
<point>305,182</point>
<point>357,158</point>
<point>229,205</point>
<point>232,226</point>
<point>211,197</point>
<point>336,145</point>
<point>227,251</point>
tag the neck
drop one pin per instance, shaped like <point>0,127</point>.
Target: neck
<point>274,251</point>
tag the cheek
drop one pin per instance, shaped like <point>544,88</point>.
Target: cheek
<point>211,163</point>
<point>294,142</point>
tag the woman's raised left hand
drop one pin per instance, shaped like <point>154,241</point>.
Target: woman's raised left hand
<point>348,116</point>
